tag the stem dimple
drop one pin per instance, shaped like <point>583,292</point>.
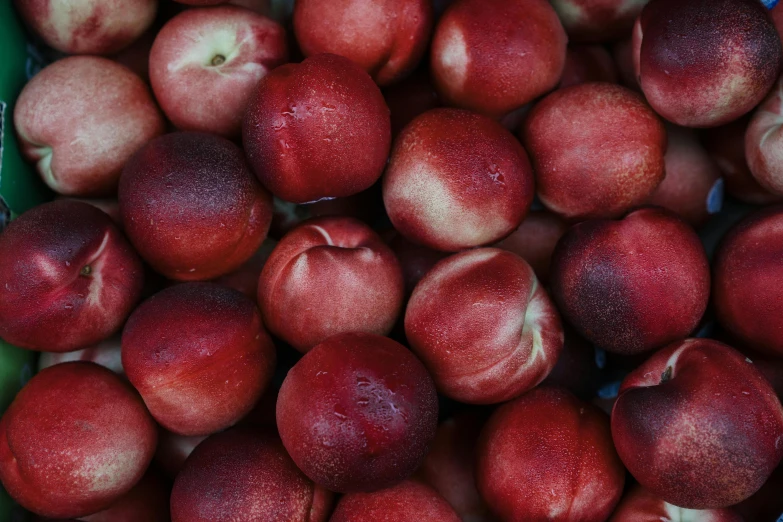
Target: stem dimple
<point>86,270</point>
<point>667,374</point>
<point>218,59</point>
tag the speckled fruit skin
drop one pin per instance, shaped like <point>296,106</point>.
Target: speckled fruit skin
<point>642,506</point>
<point>726,145</point>
<point>494,56</point>
<point>80,119</point>
<point>704,383</point>
<point>450,465</point>
<point>357,413</point>
<point>75,439</point>
<point>404,502</point>
<point>243,476</point>
<point>68,278</point>
<point>692,188</point>
<point>588,63</point>
<point>327,276</point>
<point>535,240</point>
<point>105,353</point>
<point>199,355</point>
<point>147,501</point>
<point>197,94</point>
<point>597,20</point>
<point>457,180</point>
<point>87,26</point>
<point>191,206</point>
<point>318,129</point>
<point>549,456</point>
<point>605,158</point>
<point>703,63</point>
<point>614,280</point>
<point>763,141</point>
<point>746,272</point>
<point>387,38</point>
<point>484,326</point>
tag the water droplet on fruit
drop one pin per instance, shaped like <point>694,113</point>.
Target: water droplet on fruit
<point>68,306</point>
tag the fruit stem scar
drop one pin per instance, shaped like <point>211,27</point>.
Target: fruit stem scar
<point>667,374</point>
<point>86,270</point>
<point>218,59</point>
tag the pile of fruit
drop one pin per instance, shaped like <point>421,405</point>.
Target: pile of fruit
<point>399,261</point>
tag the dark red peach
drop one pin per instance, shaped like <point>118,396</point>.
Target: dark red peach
<point>639,505</point>
<point>404,502</point>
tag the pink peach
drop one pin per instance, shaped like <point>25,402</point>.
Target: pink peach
<point>693,187</point>
<point>549,456</point>
<point>244,475</point>
<point>357,413</point>
<point>703,63</point>
<point>698,382</point>
<point>328,276</point>
<point>75,440</point>
<point>535,240</point>
<point>191,206</point>
<point>199,356</point>
<point>484,326</point>
<point>481,60</point>
<point>457,180</point>
<point>80,119</point>
<point>205,65</point>
<point>588,63</point>
<point>68,278</point>
<point>747,269</point>
<point>602,160</point>
<point>318,129</point>
<point>615,281</point>
<point>404,502</point>
<point>763,141</point>
<point>387,38</point>
<point>88,26</point>
<point>642,506</point>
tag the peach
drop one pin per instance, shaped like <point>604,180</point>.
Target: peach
<point>80,119</point>
<point>199,356</point>
<point>698,382</point>
<point>415,260</point>
<point>597,20</point>
<point>450,465</point>
<point>457,180</point>
<point>191,206</point>
<point>766,505</point>
<point>315,130</point>
<point>481,60</point>
<point>404,502</point>
<point>147,501</point>
<point>75,439</point>
<point>604,159</point>
<point>205,65</point>
<point>330,275</point>
<point>88,26</point>
<point>549,456</point>
<point>484,326</point>
<point>535,240</point>
<point>410,98</point>
<point>693,187</point>
<point>387,38</point>
<point>174,449</point>
<point>357,413</point>
<point>105,353</point>
<point>763,140</point>
<point>747,267</point>
<point>244,475</point>
<point>588,63</point>
<point>726,145</point>
<point>616,281</point>
<point>704,63</point>
<point>245,278</point>
<point>642,506</point>
<point>68,278</point>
